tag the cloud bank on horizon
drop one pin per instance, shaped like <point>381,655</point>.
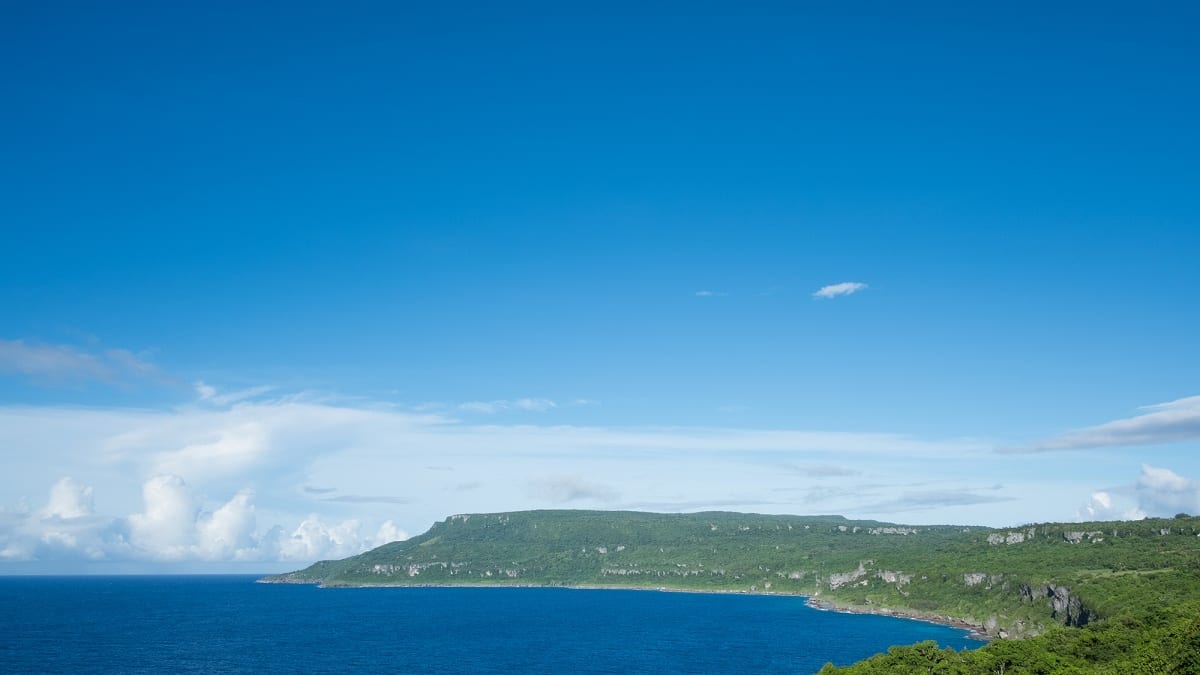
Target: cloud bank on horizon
<point>172,527</point>
<point>242,477</point>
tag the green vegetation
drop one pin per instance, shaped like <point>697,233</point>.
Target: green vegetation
<point>1088,597</point>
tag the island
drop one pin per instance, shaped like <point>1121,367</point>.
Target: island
<point>1119,597</point>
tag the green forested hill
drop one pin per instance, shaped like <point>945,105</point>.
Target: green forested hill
<point>1089,595</point>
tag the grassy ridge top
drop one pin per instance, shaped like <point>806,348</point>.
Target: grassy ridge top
<point>1017,582</point>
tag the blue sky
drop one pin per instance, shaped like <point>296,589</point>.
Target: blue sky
<point>280,283</point>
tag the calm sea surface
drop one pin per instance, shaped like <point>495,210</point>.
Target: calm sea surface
<point>230,624</point>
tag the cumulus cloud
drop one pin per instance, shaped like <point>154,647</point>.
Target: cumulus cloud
<point>67,526</point>
<point>1103,505</point>
<point>315,539</point>
<point>172,527</point>
<point>1157,492</point>
<point>1168,422</point>
<point>166,528</point>
<point>57,364</point>
<point>229,533</point>
<point>388,532</point>
<point>70,499</point>
<point>1162,492</point>
<point>837,290</point>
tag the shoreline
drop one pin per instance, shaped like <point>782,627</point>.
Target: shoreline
<point>974,631</point>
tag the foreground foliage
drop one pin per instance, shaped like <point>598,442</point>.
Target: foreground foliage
<point>1166,641</point>
<point>1092,597</point>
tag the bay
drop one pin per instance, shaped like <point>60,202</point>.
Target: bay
<point>229,624</point>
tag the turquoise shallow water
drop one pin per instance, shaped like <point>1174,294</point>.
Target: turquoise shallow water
<point>231,624</point>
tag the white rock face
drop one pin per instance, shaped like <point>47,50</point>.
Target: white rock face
<point>898,578</point>
<point>1011,537</point>
<point>839,579</point>
<point>974,578</point>
<point>903,531</point>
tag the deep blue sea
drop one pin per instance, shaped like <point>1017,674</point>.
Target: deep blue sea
<point>229,624</point>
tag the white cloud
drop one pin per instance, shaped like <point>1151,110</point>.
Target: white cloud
<point>166,528</point>
<point>69,499</point>
<point>1104,505</point>
<point>233,449</point>
<point>493,407</point>
<point>54,361</point>
<point>1158,492</point>
<point>1098,507</point>
<point>173,528</point>
<point>209,394</point>
<point>1162,492</point>
<point>316,540</point>
<point>388,532</point>
<point>835,290</point>
<point>1168,422</point>
<point>174,485</point>
<point>711,294</point>
<point>204,391</point>
<point>229,533</point>
<point>65,363</point>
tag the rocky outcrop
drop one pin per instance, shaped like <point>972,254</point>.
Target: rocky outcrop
<point>903,531</point>
<point>1011,537</point>
<point>1064,607</point>
<point>839,579</point>
<point>898,578</point>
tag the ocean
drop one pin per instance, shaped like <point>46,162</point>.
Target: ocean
<point>229,624</point>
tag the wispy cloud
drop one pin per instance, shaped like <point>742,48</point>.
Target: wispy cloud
<point>711,294</point>
<point>504,405</point>
<point>1168,422</point>
<point>822,470</point>
<point>694,505</point>
<point>366,499</point>
<point>934,499</point>
<point>210,394</point>
<point>312,490</point>
<point>66,364</point>
<point>836,290</point>
<point>569,488</point>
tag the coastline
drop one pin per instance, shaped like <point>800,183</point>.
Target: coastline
<point>975,631</point>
